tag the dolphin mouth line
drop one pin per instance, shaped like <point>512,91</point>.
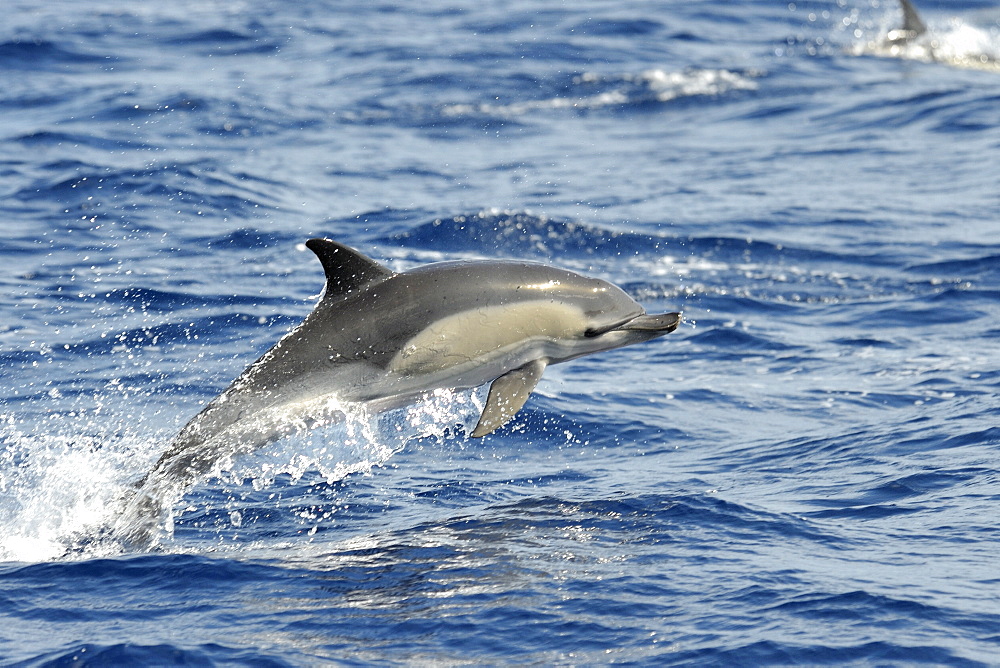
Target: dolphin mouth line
<point>663,323</point>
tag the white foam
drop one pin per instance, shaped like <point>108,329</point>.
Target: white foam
<point>56,489</point>
<point>629,88</point>
<point>955,42</point>
<point>61,492</point>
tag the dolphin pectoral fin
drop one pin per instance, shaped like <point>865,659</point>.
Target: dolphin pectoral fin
<point>507,395</point>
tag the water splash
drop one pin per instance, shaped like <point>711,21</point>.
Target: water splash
<point>63,492</point>
<point>592,90</point>
<point>953,42</point>
<point>359,440</point>
<point>57,487</point>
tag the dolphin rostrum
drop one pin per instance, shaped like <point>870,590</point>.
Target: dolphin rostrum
<point>385,339</point>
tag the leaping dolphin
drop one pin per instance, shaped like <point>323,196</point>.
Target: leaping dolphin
<point>385,339</point>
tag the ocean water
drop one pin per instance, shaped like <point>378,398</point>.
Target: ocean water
<point>806,472</point>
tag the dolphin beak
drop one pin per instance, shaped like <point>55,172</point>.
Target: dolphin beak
<point>654,325</point>
<point>663,323</point>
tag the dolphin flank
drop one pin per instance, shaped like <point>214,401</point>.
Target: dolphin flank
<point>385,339</point>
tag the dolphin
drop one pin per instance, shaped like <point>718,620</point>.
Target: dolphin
<point>385,339</point>
<point>914,41</point>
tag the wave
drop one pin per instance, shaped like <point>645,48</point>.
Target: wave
<point>587,92</point>
<point>765,266</point>
<point>219,329</point>
<point>985,266</point>
<point>594,91</point>
<point>520,234</point>
<point>646,518</point>
<point>133,654</point>
<point>215,42</point>
<point>875,652</point>
<point>737,342</point>
<point>48,55</point>
<point>97,192</point>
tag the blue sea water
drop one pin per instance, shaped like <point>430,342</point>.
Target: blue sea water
<point>807,472</point>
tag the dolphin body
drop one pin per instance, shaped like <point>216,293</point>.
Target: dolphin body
<point>384,339</point>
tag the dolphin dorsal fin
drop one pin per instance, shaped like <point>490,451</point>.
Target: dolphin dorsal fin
<point>346,269</point>
<point>911,19</point>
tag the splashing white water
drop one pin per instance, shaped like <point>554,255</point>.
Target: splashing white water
<point>61,492</point>
<point>54,487</point>
<point>954,42</point>
<point>596,91</point>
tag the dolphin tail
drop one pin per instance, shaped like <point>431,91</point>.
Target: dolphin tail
<point>145,519</point>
